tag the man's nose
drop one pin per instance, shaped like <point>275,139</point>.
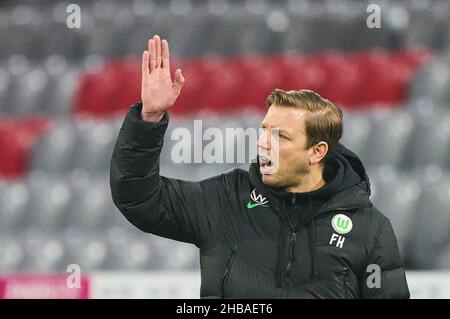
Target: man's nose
<point>263,141</point>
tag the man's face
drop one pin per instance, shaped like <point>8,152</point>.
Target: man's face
<point>281,148</point>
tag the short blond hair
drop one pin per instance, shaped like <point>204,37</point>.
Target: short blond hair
<point>325,121</point>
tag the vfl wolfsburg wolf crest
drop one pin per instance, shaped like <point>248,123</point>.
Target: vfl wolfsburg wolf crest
<point>341,224</point>
<point>257,200</point>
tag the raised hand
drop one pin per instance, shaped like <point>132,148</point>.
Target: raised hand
<point>158,92</point>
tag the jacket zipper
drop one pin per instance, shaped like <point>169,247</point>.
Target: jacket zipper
<point>293,239</point>
<point>226,273</point>
<point>344,275</point>
<point>291,254</point>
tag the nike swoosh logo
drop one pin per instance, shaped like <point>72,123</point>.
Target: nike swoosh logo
<point>251,205</point>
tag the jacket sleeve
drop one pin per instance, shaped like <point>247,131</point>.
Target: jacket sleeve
<point>172,208</point>
<point>385,276</point>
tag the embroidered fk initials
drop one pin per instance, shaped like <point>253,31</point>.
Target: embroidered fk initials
<point>338,239</point>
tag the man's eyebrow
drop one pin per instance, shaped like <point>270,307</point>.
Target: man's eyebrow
<point>280,131</point>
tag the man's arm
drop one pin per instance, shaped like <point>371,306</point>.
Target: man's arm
<point>171,208</point>
<point>176,209</point>
<point>386,256</point>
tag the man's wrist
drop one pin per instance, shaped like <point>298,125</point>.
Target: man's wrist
<point>151,116</point>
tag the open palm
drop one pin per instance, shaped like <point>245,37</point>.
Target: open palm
<point>158,92</point>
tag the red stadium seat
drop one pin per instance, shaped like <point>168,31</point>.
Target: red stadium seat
<point>341,77</point>
<point>110,91</point>
<point>259,76</point>
<point>17,136</point>
<point>194,85</point>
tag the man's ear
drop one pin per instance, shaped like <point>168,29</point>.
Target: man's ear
<point>318,152</point>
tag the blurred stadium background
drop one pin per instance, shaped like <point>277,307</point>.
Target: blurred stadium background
<point>64,92</point>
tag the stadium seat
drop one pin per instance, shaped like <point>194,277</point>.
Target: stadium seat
<point>54,152</point>
<point>16,140</point>
<point>390,137</point>
<point>357,131</point>
<point>431,81</point>
<point>396,194</point>
<point>43,251</point>
<point>11,254</point>
<point>431,222</point>
<point>14,200</point>
<point>94,145</point>
<point>49,200</point>
<point>430,141</point>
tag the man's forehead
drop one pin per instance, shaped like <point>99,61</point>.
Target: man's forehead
<point>287,118</point>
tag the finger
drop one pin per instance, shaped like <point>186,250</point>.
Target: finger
<point>145,65</point>
<point>179,80</point>
<point>165,55</point>
<point>158,50</point>
<point>151,45</point>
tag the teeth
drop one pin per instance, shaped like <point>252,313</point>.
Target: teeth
<point>266,162</point>
<point>263,159</point>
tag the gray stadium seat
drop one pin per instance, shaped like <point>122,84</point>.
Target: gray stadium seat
<point>56,100</point>
<point>357,131</point>
<point>44,251</point>
<point>54,152</point>
<point>84,248</point>
<point>4,85</point>
<point>396,194</point>
<point>14,202</point>
<point>11,254</point>
<point>431,27</point>
<point>176,255</point>
<point>49,199</point>
<point>91,201</point>
<point>431,81</point>
<point>431,139</point>
<point>390,136</point>
<point>94,146</point>
<point>431,223</point>
<point>17,67</point>
<point>118,255</point>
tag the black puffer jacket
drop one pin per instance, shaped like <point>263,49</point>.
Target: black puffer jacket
<point>256,241</point>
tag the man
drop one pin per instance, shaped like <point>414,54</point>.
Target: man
<point>296,225</point>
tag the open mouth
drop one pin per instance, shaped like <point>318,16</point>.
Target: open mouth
<point>264,161</point>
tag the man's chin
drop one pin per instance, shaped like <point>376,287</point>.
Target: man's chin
<point>269,180</point>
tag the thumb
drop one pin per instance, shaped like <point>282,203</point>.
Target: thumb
<point>179,80</point>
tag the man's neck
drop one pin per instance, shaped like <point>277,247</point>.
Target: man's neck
<point>309,183</point>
